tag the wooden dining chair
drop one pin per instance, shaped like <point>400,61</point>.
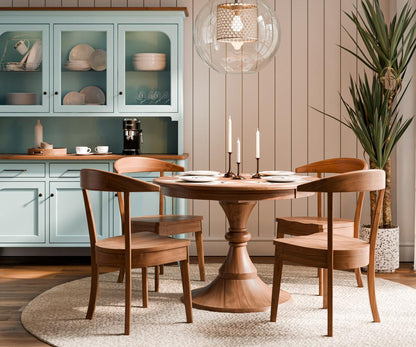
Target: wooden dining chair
<point>161,224</point>
<point>139,250</point>
<point>312,224</point>
<point>329,250</point>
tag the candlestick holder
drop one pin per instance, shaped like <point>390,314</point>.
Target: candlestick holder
<point>229,173</point>
<point>257,175</point>
<point>237,175</point>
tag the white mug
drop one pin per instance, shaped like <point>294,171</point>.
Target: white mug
<point>82,150</point>
<point>22,46</point>
<point>101,149</point>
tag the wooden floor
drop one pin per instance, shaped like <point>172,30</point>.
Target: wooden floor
<point>23,279</point>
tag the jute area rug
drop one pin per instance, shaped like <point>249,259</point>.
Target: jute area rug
<point>57,315</point>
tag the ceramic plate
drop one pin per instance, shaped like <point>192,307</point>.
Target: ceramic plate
<point>35,56</point>
<point>78,65</point>
<point>201,173</point>
<point>80,52</point>
<point>198,178</point>
<point>98,60</point>
<point>283,179</point>
<point>93,95</point>
<point>74,98</point>
<point>276,173</point>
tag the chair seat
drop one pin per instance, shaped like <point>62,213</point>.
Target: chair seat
<point>311,225</point>
<point>141,242</point>
<point>311,250</point>
<point>167,224</point>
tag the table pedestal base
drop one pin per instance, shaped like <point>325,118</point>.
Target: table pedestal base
<point>237,287</point>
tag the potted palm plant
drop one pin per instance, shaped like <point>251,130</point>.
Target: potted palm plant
<point>373,113</point>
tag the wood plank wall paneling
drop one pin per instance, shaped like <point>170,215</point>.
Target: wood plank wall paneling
<point>308,70</point>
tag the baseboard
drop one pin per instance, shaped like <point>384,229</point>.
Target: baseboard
<point>407,252</point>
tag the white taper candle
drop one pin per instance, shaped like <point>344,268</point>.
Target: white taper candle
<point>257,143</point>
<point>230,137</point>
<point>238,151</point>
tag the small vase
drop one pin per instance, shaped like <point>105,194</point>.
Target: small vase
<point>387,248</point>
<point>38,134</point>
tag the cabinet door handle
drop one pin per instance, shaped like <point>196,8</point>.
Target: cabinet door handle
<point>52,195</point>
<point>115,194</point>
<point>120,93</point>
<point>56,93</point>
<point>45,93</point>
<point>11,170</point>
<point>40,195</point>
<point>73,170</point>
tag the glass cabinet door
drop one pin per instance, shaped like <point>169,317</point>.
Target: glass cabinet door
<point>83,68</point>
<point>24,67</point>
<point>148,68</point>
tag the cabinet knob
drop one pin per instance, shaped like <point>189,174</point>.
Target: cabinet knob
<point>115,194</point>
<point>52,195</point>
<point>40,195</point>
<point>120,93</point>
<point>56,93</point>
<point>45,93</point>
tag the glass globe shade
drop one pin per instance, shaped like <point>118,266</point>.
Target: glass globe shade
<point>236,36</point>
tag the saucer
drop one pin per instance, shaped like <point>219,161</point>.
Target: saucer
<point>106,153</point>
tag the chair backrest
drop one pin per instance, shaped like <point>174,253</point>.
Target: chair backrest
<point>99,180</point>
<point>355,181</point>
<point>337,165</point>
<point>143,164</point>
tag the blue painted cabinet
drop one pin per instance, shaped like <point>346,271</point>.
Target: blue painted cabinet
<point>22,212</point>
<point>123,87</point>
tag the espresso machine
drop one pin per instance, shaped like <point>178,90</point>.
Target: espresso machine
<point>132,136</point>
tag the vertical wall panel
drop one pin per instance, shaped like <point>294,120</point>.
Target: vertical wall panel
<point>316,75</point>
<point>53,3</point>
<point>283,111</point>
<point>37,3</point>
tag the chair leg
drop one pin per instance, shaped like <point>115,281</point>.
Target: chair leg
<point>93,291</point>
<point>358,277</point>
<point>320,281</point>
<point>330,301</point>
<point>200,253</point>
<point>186,285</point>
<point>325,288</point>
<point>157,278</point>
<point>145,295</point>
<point>128,302</point>
<point>372,292</point>
<point>120,275</point>
<point>277,278</point>
<point>162,269</point>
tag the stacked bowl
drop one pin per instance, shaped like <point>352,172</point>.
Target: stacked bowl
<point>149,61</point>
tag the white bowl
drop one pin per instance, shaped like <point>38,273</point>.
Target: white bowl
<point>152,55</point>
<point>22,99</point>
<point>149,66</point>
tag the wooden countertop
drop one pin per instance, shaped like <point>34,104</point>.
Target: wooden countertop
<point>89,157</point>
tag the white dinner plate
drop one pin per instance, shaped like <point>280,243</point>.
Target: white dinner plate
<point>198,178</point>
<point>98,60</point>
<point>276,173</point>
<point>81,52</point>
<point>93,95</point>
<point>283,179</point>
<point>35,56</point>
<point>201,173</point>
<point>74,98</point>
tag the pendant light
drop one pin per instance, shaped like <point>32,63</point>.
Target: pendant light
<point>236,36</point>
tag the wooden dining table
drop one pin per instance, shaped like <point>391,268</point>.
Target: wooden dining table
<point>237,288</point>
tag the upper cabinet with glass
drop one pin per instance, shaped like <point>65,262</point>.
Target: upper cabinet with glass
<point>24,65</point>
<point>92,63</point>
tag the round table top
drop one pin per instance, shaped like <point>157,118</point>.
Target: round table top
<point>228,189</point>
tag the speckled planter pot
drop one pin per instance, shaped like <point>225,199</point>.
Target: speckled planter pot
<point>387,248</point>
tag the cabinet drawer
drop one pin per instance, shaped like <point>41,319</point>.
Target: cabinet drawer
<point>66,170</point>
<point>21,170</point>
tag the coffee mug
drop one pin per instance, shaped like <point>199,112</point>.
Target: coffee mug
<point>101,149</point>
<point>22,46</point>
<point>82,150</point>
